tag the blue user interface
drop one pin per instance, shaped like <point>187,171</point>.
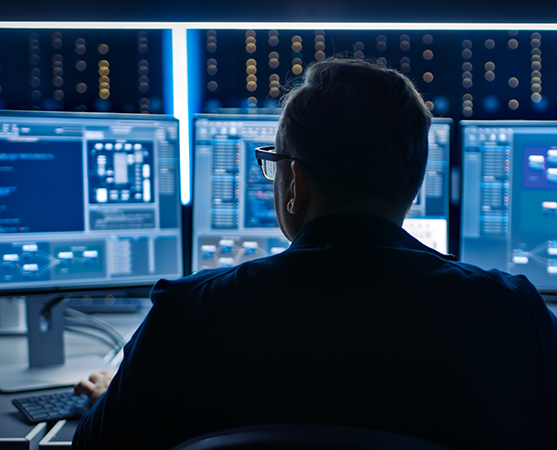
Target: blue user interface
<point>88,200</point>
<point>233,206</point>
<point>509,198</point>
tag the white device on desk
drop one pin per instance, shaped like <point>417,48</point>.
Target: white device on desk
<point>89,202</point>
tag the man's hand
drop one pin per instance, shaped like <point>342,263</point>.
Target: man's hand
<point>95,386</point>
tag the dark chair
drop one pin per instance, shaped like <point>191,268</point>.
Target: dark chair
<point>305,437</point>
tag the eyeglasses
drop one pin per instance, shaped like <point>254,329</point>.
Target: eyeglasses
<point>267,159</point>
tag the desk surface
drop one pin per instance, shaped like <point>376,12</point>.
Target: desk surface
<point>13,350</point>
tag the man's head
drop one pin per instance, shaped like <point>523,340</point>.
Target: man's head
<point>359,130</point>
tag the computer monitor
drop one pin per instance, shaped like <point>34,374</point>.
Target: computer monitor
<point>509,198</point>
<point>233,207</point>
<point>87,201</point>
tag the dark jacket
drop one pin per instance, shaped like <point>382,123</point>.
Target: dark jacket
<point>357,324</point>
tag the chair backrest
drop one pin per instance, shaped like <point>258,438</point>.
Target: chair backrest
<point>305,437</point>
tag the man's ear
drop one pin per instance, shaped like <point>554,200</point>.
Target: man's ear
<point>300,187</point>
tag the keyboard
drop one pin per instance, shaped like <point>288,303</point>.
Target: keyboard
<point>57,406</point>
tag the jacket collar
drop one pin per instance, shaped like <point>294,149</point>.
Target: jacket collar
<point>358,227</point>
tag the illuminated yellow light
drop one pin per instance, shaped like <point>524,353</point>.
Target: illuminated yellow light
<point>252,100</point>
<point>296,39</point>
<point>489,66</point>
<point>251,78</point>
<point>536,98</point>
<point>211,47</point>
<point>297,69</point>
<point>467,103</point>
<point>274,83</point>
<point>81,88</point>
<point>536,80</point>
<point>489,76</point>
<point>274,63</point>
<point>104,80</point>
<point>428,55</point>
<point>466,53</point>
<point>212,70</point>
<point>536,88</point>
<point>58,94</point>
<point>251,86</point>
<point>212,86</point>
<point>489,44</point>
<point>319,38</point>
<point>274,92</point>
<point>296,47</point>
<point>428,77</point>
<point>57,81</point>
<point>104,85</point>
<point>274,55</point>
<point>103,49</point>
<point>250,33</point>
<point>536,65</point>
<point>320,56</point>
<point>467,97</point>
<point>104,63</point>
<point>104,71</point>
<point>467,66</point>
<point>250,40</point>
<point>251,70</point>
<point>251,48</point>
<point>536,73</point>
<point>296,61</point>
<point>251,62</point>
<point>536,36</point>
<point>466,75</point>
<point>535,43</point>
<point>467,83</point>
<point>467,112</point>
<point>513,104</point>
<point>513,44</point>
<point>319,46</point>
<point>536,58</point>
<point>429,105</point>
<point>427,40</point>
<point>274,77</point>
<point>513,82</point>
<point>273,41</point>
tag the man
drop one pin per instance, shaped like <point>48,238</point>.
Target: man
<point>357,323</point>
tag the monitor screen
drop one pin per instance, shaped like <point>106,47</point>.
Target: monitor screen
<point>233,207</point>
<point>88,200</point>
<point>509,198</point>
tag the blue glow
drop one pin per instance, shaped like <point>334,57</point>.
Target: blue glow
<point>442,104</point>
<point>167,82</point>
<point>490,103</point>
<point>542,105</point>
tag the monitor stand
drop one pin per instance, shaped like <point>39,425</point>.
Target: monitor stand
<point>47,366</point>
